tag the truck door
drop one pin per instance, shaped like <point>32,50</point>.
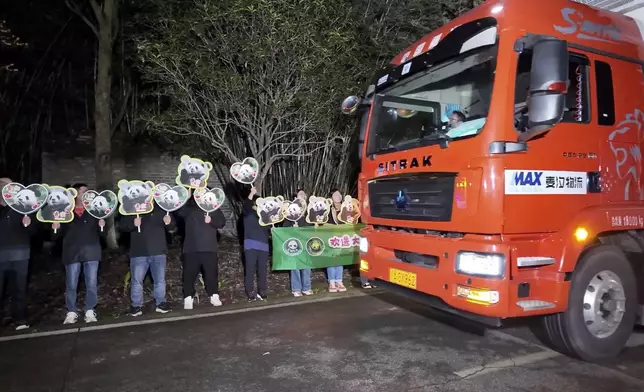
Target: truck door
<point>620,122</point>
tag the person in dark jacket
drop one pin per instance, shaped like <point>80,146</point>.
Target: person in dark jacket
<point>81,250</point>
<point>15,250</point>
<point>256,250</point>
<point>300,278</point>
<point>200,251</point>
<point>147,252</point>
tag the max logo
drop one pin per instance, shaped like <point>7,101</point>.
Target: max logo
<point>405,163</point>
<point>528,178</point>
<point>586,29</point>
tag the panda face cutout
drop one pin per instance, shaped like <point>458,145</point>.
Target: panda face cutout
<point>209,200</point>
<point>100,205</point>
<point>170,198</point>
<point>318,209</point>
<point>245,171</point>
<point>294,210</point>
<point>135,197</point>
<point>193,172</point>
<point>24,199</point>
<point>60,205</point>
<point>349,211</point>
<point>270,210</point>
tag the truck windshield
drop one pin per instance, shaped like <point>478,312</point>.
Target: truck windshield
<point>418,112</point>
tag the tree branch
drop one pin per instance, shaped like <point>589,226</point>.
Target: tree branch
<point>119,117</point>
<point>75,9</point>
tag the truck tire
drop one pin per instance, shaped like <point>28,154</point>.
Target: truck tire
<point>601,310</point>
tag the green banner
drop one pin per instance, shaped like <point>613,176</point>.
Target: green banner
<point>316,247</point>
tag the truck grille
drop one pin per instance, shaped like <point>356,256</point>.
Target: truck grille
<point>423,197</point>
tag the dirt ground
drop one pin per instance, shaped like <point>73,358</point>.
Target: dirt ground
<point>47,283</point>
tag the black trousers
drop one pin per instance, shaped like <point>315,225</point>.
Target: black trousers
<point>200,261</point>
<point>256,264</point>
<point>15,273</point>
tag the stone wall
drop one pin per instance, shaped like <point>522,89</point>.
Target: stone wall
<point>70,160</point>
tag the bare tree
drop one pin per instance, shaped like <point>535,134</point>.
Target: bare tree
<point>103,19</point>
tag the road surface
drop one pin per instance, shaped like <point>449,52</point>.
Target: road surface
<point>364,343</point>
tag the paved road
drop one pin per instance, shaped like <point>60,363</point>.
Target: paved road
<point>366,343</point>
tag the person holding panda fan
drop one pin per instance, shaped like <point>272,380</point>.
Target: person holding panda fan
<point>300,278</point>
<point>16,231</point>
<point>199,251</point>
<point>335,273</point>
<point>81,250</point>
<point>148,248</point>
<point>256,239</point>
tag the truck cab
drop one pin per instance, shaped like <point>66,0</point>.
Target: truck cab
<point>500,170</point>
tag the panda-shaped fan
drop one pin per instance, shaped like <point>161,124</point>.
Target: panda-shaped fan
<point>294,210</point>
<point>100,205</point>
<point>135,198</point>
<point>25,200</point>
<point>317,211</point>
<point>270,210</point>
<point>245,171</point>
<point>170,198</point>
<point>193,173</point>
<point>59,207</point>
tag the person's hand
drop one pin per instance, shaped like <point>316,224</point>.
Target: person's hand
<point>253,192</point>
<point>101,223</point>
<point>26,220</point>
<point>207,219</point>
<point>137,221</point>
<point>55,226</point>
<point>167,220</point>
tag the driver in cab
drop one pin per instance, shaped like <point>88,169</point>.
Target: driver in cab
<point>456,119</point>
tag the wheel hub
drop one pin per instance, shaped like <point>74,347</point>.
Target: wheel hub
<point>604,304</point>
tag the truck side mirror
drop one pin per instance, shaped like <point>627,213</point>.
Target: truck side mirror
<point>548,84</point>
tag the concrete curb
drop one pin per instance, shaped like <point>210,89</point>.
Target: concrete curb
<point>191,315</point>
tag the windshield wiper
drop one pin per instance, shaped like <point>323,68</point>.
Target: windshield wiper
<point>431,139</point>
<point>442,138</point>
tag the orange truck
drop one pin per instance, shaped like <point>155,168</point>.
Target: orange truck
<point>501,170</point>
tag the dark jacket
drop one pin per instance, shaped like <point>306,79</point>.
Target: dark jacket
<point>333,218</point>
<point>252,229</point>
<point>151,241</point>
<point>15,238</point>
<point>81,239</point>
<point>200,236</point>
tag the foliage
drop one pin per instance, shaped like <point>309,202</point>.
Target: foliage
<point>265,78</point>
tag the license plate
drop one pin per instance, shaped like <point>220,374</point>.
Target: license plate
<point>402,278</point>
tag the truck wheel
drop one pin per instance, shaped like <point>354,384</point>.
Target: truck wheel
<point>601,307</point>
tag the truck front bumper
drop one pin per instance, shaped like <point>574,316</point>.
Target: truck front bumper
<point>519,292</point>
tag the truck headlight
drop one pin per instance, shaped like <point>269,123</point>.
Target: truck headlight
<point>488,265</point>
<point>364,245</point>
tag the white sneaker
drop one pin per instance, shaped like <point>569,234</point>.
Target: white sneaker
<point>71,318</point>
<point>90,316</point>
<point>22,326</point>
<point>297,294</point>
<point>215,301</point>
<point>188,303</point>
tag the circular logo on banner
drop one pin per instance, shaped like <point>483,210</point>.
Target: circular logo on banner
<point>292,247</point>
<point>314,246</point>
